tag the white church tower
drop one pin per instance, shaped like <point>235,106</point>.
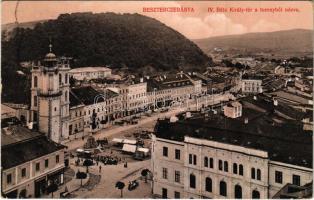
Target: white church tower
<point>50,96</point>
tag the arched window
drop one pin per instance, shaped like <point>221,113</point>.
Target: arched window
<point>241,170</point>
<point>220,164</point>
<point>192,181</point>
<point>211,163</point>
<point>60,79</point>
<point>258,174</point>
<point>255,194</point>
<point>226,166</point>
<point>237,192</point>
<point>66,95</point>
<point>223,188</point>
<point>235,168</point>
<point>208,184</point>
<point>253,173</point>
<point>35,100</point>
<point>35,81</point>
<point>205,161</point>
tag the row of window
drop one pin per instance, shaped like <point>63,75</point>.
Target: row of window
<point>177,153</point>
<point>177,175</point>
<point>65,79</point>
<point>237,169</point>
<point>222,188</point>
<point>37,168</point>
<point>296,179</point>
<point>60,80</point>
<point>192,159</point>
<point>164,194</point>
<point>256,173</point>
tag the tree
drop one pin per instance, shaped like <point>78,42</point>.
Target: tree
<point>120,185</point>
<point>87,163</point>
<point>52,188</point>
<point>81,175</point>
<point>144,173</point>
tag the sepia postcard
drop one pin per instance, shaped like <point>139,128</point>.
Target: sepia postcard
<point>157,99</point>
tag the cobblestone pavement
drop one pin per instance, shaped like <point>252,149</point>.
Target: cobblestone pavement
<point>102,185</point>
<point>93,180</point>
<point>113,130</point>
<point>69,174</point>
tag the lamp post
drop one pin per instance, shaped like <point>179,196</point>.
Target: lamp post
<point>155,98</point>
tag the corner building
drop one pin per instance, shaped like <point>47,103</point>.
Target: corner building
<point>191,159</point>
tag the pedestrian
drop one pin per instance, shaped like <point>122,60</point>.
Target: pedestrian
<point>99,168</point>
<point>97,163</point>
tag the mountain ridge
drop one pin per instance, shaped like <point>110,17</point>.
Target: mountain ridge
<point>283,41</point>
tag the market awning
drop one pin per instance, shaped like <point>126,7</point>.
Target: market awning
<point>126,141</point>
<point>80,150</point>
<point>118,140</point>
<point>129,148</point>
<point>145,150</point>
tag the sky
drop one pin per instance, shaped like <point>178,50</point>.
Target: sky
<point>199,24</point>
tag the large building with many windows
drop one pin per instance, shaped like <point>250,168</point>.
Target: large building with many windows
<point>212,156</point>
<point>29,163</point>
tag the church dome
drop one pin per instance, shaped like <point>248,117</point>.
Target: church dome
<point>50,55</point>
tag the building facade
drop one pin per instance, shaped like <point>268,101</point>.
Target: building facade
<point>30,163</point>
<point>197,159</point>
<point>88,73</point>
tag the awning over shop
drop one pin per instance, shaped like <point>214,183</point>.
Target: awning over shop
<point>126,141</point>
<point>129,148</point>
<point>145,150</point>
<point>117,140</point>
<point>80,150</point>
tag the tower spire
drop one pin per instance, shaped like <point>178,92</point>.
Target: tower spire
<point>50,47</point>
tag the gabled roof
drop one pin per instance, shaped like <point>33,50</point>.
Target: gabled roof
<point>87,95</point>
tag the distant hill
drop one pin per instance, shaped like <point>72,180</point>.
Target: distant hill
<point>287,41</point>
<point>117,40</point>
<point>131,41</point>
<point>10,26</point>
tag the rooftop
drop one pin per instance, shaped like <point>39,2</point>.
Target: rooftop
<point>89,69</point>
<point>287,143</point>
<point>74,100</point>
<point>251,77</point>
<point>23,145</point>
<point>168,81</point>
<point>87,94</point>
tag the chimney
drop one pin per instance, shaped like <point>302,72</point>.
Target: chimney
<point>246,120</point>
